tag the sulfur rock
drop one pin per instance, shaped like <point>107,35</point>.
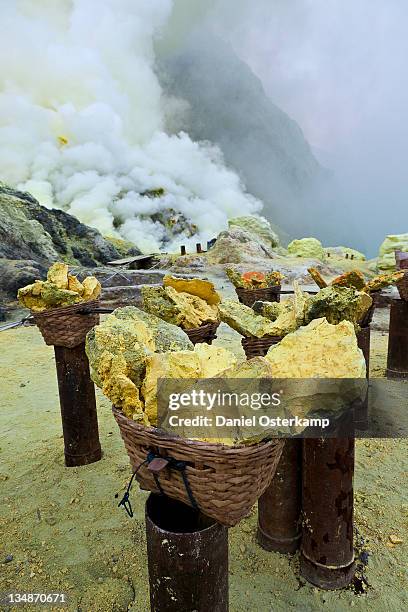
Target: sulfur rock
<point>269,310</point>
<point>58,275</point>
<point>179,308</point>
<point>157,302</point>
<point>293,312</point>
<point>55,297</point>
<point>255,368</point>
<point>92,288</point>
<point>317,277</point>
<point>274,278</point>
<point>60,289</point>
<point>204,362</point>
<point>235,277</point>
<point>318,350</point>
<point>213,359</point>
<point>244,320</point>
<point>386,255</point>
<point>163,336</point>
<point>30,297</point>
<point>177,365</point>
<point>129,340</point>
<point>195,286</point>
<point>114,372</point>
<point>337,304</point>
<point>193,311</point>
<point>307,247</point>
<point>383,280</point>
<point>75,285</point>
<point>354,279</point>
<point>290,313</point>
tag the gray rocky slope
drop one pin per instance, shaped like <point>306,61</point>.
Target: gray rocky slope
<point>32,237</point>
<point>228,106</point>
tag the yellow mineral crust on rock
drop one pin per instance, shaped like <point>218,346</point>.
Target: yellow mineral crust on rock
<point>75,285</point>
<point>255,368</point>
<point>319,350</point>
<point>118,387</point>
<point>58,275</point>
<point>204,362</point>
<point>244,320</point>
<point>119,347</point>
<point>249,324</point>
<point>30,297</point>
<point>54,297</point>
<point>92,288</point>
<point>193,311</point>
<point>177,365</point>
<point>269,310</point>
<point>293,313</point>
<point>213,359</point>
<point>338,304</point>
<point>201,288</point>
<point>317,277</point>
<point>60,289</point>
<point>354,279</point>
<point>383,280</point>
<point>119,339</point>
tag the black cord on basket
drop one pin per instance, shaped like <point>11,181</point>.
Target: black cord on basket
<point>125,501</point>
<point>180,466</point>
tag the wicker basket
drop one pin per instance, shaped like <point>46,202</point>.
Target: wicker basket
<point>205,333</point>
<point>258,347</point>
<point>66,326</point>
<point>225,481</point>
<point>250,296</point>
<point>403,287</point>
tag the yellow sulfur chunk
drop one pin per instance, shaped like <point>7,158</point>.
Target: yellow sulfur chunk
<point>177,365</point>
<point>319,350</point>
<point>193,311</point>
<point>30,297</point>
<point>75,285</point>
<point>58,275</point>
<point>195,286</point>
<point>213,359</point>
<point>92,288</point>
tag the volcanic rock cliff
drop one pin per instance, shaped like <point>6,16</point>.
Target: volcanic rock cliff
<point>32,237</point>
<point>228,105</point>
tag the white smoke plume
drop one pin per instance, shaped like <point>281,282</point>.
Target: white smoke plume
<point>82,122</point>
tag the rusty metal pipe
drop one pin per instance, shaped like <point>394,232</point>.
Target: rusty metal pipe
<point>364,342</point>
<point>182,250</point>
<point>397,361</point>
<point>78,406</point>
<point>279,507</point>
<point>187,557</point>
<point>327,551</point>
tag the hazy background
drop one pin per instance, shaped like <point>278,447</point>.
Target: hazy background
<point>339,68</point>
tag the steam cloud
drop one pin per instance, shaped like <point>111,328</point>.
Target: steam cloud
<point>82,121</point>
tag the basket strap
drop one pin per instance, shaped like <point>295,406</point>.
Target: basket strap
<point>180,466</point>
<point>125,501</point>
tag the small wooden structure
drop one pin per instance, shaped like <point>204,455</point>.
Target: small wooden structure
<point>138,262</point>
